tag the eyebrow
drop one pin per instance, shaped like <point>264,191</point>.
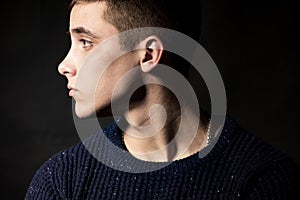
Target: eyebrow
<point>82,30</point>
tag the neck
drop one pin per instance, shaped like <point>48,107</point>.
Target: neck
<point>166,134</point>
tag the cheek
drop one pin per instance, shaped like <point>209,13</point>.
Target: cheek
<point>107,82</point>
<point>98,86</point>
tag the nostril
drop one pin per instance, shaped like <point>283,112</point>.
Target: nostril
<point>65,70</point>
<point>66,67</point>
<point>61,69</point>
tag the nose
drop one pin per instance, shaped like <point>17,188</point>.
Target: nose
<point>66,67</point>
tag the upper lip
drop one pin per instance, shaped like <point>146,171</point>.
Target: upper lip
<point>71,87</point>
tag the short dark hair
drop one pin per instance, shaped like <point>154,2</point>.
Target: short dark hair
<point>182,16</point>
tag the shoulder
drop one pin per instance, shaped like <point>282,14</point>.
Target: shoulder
<point>42,184</point>
<point>59,176</point>
<point>49,180</point>
<point>264,170</point>
<point>237,143</point>
<point>256,152</point>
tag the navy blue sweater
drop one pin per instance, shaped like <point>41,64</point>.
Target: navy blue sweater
<point>240,166</point>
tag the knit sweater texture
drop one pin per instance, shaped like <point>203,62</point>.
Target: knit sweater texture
<point>240,166</point>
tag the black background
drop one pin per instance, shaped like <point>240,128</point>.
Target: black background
<point>254,44</point>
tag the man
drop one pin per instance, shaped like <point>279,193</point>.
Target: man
<point>157,149</point>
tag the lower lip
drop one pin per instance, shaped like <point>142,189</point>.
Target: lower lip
<point>72,92</point>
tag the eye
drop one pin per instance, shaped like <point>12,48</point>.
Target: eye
<point>86,43</point>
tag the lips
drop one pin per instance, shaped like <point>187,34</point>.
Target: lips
<point>72,90</point>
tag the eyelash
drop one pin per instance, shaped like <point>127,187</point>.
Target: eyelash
<point>83,41</point>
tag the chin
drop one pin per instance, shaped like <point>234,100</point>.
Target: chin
<point>84,112</point>
<point>89,111</point>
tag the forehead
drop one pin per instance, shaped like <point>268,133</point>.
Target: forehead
<point>90,16</point>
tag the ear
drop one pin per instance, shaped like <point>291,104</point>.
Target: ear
<point>152,51</point>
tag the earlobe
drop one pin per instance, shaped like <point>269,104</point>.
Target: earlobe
<point>153,51</point>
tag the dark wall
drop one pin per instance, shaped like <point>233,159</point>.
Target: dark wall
<point>254,44</point>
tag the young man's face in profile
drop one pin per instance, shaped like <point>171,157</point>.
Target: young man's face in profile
<point>88,29</point>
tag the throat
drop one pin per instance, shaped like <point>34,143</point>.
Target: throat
<point>172,143</point>
<point>160,129</point>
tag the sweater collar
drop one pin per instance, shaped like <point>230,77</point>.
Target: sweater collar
<point>121,157</point>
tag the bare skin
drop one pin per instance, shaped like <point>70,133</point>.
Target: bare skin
<point>88,29</point>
